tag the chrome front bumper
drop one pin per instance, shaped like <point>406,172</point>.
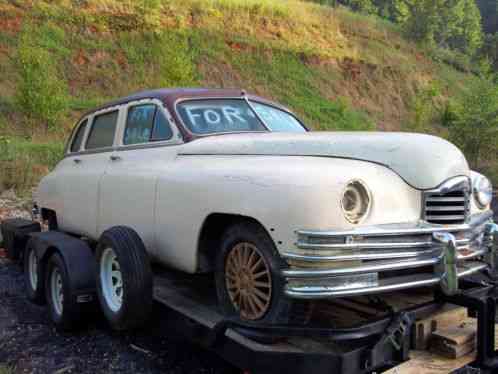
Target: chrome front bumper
<point>384,258</point>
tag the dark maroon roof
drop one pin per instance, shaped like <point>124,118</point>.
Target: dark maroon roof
<point>169,96</point>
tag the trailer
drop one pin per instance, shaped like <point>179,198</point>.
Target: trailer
<point>354,335</point>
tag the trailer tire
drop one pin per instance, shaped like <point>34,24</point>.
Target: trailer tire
<point>253,240</point>
<point>124,278</point>
<point>64,311</point>
<point>33,275</point>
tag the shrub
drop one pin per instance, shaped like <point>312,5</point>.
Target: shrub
<point>472,122</point>
<point>41,91</point>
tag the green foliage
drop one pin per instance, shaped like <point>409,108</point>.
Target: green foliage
<point>296,85</point>
<point>445,23</point>
<point>6,370</point>
<point>161,59</point>
<point>425,114</point>
<point>472,122</point>
<point>363,6</point>
<point>23,162</point>
<point>489,50</point>
<point>41,92</point>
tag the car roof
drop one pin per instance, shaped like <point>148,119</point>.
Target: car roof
<point>169,96</point>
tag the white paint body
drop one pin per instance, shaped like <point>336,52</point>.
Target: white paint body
<point>287,182</point>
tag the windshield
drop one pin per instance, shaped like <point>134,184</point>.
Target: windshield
<point>234,115</point>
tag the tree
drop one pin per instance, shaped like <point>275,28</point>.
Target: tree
<point>452,24</point>
<point>472,121</point>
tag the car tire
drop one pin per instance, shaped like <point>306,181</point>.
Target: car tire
<point>262,285</point>
<point>124,278</point>
<point>64,311</point>
<point>33,276</point>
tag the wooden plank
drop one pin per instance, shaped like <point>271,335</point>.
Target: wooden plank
<point>424,362</point>
<point>453,342</point>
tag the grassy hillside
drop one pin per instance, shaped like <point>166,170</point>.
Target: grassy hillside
<point>335,68</point>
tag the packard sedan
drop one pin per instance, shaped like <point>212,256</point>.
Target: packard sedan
<point>225,182</point>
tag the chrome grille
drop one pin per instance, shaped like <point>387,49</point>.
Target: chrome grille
<point>447,205</point>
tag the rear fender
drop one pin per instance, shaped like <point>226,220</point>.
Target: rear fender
<point>77,256</point>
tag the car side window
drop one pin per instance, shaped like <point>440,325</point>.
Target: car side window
<point>78,137</point>
<point>162,129</point>
<point>146,123</point>
<point>102,131</point>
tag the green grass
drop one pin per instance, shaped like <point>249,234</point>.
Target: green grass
<point>6,370</point>
<point>336,69</point>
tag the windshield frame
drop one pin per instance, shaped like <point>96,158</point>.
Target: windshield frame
<point>246,98</point>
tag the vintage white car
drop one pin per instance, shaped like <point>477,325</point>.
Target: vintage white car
<point>225,182</point>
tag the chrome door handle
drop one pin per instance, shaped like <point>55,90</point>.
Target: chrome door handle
<point>77,160</point>
<point>115,158</point>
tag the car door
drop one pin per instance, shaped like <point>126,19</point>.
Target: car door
<point>145,147</point>
<point>82,174</point>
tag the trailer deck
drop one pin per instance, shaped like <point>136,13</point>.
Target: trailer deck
<point>368,340</point>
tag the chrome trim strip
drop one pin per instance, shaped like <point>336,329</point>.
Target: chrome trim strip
<point>385,285</point>
<point>366,268</point>
<point>346,246</point>
<point>420,227</point>
<point>372,255</point>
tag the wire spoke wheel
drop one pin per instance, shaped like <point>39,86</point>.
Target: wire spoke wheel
<point>248,281</point>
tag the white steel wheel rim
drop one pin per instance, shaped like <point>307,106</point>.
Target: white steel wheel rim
<point>56,290</point>
<point>33,269</point>
<point>111,280</point>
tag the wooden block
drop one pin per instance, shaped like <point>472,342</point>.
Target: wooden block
<point>449,316</point>
<point>453,343</point>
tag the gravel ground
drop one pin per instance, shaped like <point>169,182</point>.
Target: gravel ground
<point>30,344</point>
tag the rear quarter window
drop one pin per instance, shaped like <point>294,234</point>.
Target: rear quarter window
<point>78,137</point>
<point>102,131</point>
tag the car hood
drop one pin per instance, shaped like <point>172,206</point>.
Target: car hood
<point>423,161</point>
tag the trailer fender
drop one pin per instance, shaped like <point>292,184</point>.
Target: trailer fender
<point>77,256</point>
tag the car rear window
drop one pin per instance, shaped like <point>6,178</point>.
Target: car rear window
<point>78,137</point>
<point>103,129</point>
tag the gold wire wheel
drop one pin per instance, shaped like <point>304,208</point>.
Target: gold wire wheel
<point>248,281</point>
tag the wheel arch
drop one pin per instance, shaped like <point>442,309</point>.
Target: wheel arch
<point>212,229</point>
<point>76,254</point>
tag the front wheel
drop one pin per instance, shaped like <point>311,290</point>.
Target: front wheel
<point>249,283</point>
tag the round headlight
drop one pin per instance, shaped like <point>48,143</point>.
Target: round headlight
<point>483,191</point>
<point>355,201</point>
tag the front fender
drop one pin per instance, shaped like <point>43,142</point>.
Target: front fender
<point>283,193</point>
